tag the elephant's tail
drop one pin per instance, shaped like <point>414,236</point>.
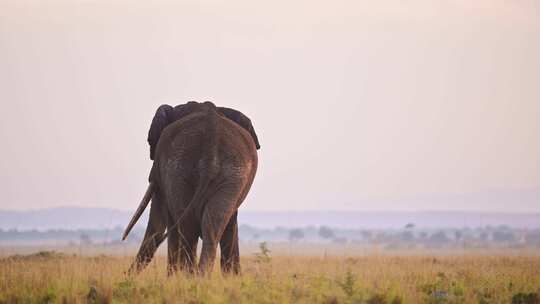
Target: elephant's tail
<point>208,167</point>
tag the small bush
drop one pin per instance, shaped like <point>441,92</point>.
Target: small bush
<point>348,283</point>
<point>263,256</point>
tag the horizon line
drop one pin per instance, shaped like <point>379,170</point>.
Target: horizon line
<point>300,210</point>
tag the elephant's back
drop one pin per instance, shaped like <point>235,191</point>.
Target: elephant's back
<point>185,142</point>
<point>182,139</point>
<point>190,132</point>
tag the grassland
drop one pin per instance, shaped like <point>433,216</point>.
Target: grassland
<point>66,278</point>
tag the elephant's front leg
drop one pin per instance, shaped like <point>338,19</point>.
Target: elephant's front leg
<point>230,253</point>
<point>152,237</point>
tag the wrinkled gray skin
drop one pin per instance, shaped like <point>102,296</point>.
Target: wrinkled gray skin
<point>204,165</point>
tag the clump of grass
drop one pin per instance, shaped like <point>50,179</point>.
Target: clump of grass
<point>526,298</point>
<point>40,255</point>
<point>442,289</point>
<point>377,299</point>
<point>380,298</point>
<point>124,289</point>
<point>49,296</point>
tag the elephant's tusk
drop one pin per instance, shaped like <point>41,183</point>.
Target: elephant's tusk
<point>140,209</point>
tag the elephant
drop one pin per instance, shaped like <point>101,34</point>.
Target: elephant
<point>205,160</point>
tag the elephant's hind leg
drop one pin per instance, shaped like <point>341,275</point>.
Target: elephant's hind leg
<point>183,236</point>
<point>230,253</point>
<point>182,251</point>
<point>173,243</point>
<point>188,251</point>
<point>216,215</point>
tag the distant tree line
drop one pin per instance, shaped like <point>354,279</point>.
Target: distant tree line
<point>408,237</point>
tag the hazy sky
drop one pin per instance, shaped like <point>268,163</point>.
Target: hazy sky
<point>385,105</point>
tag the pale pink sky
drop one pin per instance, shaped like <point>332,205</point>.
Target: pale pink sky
<point>386,105</point>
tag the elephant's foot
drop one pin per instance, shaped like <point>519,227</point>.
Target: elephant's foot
<point>189,268</point>
<point>230,268</point>
<point>136,267</point>
<point>171,270</point>
<point>208,256</point>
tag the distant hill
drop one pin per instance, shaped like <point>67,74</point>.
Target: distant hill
<point>65,218</point>
<point>99,218</point>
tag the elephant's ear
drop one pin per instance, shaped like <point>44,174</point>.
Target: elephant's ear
<point>242,120</point>
<point>159,122</point>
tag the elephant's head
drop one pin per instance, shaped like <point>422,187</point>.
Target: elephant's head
<point>166,115</point>
<point>161,119</point>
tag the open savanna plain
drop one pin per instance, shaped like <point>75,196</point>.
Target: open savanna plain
<point>52,277</point>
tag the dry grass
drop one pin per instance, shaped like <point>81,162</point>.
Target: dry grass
<point>60,278</point>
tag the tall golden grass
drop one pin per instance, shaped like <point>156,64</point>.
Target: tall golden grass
<point>65,278</point>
